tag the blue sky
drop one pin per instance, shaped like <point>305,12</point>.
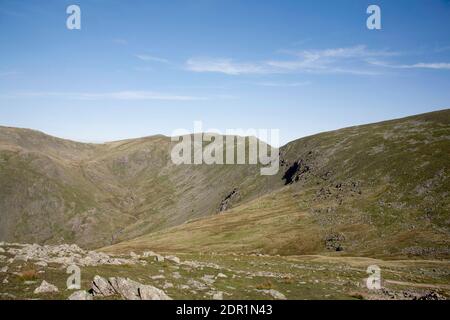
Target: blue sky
<point>138,68</point>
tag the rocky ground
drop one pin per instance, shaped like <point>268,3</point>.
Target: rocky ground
<point>40,272</point>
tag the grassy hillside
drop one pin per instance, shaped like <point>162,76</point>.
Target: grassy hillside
<point>375,190</point>
<point>54,191</point>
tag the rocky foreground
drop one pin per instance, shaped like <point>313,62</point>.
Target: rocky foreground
<point>42,272</point>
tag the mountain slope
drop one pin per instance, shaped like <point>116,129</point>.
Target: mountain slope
<point>375,190</point>
<point>53,190</point>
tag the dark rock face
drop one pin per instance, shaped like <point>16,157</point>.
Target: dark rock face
<point>225,204</point>
<point>334,241</point>
<point>294,172</point>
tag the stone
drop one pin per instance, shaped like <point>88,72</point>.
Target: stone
<point>276,294</point>
<point>209,279</point>
<point>80,295</point>
<point>132,290</point>
<point>159,258</point>
<point>221,275</point>
<point>101,287</point>
<point>218,296</point>
<point>4,269</point>
<point>41,264</point>
<point>173,259</point>
<point>168,285</point>
<point>46,287</point>
<point>148,254</point>
<point>152,293</point>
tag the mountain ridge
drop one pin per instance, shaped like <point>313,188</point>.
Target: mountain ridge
<point>102,194</point>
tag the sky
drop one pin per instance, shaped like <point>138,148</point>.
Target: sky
<point>138,68</point>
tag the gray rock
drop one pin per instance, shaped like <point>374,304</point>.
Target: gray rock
<point>275,294</point>
<point>132,290</point>
<point>218,296</point>
<point>101,287</point>
<point>148,254</point>
<point>41,264</point>
<point>80,295</point>
<point>173,259</point>
<point>46,287</point>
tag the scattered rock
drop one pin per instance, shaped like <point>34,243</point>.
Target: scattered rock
<point>209,279</point>
<point>334,242</point>
<point>221,275</point>
<point>80,295</point>
<point>432,295</point>
<point>4,269</point>
<point>41,264</point>
<point>148,254</point>
<point>274,294</point>
<point>46,287</point>
<point>173,259</point>
<point>167,285</point>
<point>218,296</point>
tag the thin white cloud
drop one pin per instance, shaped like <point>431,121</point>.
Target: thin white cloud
<point>283,84</point>
<point>146,57</point>
<point>439,65</point>
<point>350,60</point>
<point>419,65</point>
<point>118,95</point>
<point>226,66</point>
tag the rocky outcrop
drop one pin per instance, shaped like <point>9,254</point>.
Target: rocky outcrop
<point>227,202</point>
<point>127,289</point>
<point>63,254</point>
<point>334,242</point>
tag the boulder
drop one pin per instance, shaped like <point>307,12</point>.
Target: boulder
<point>46,287</point>
<point>80,295</point>
<point>101,287</point>
<point>132,290</point>
<point>276,294</point>
<point>173,259</point>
